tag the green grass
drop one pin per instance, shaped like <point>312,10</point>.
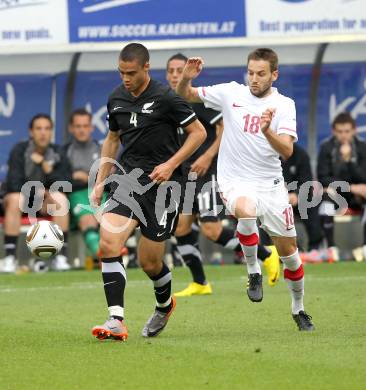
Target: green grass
<point>214,342</point>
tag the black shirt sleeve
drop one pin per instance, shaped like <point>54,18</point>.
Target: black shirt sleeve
<point>324,168</point>
<point>179,111</point>
<point>357,170</point>
<point>112,123</point>
<point>303,167</point>
<point>16,173</point>
<point>207,115</point>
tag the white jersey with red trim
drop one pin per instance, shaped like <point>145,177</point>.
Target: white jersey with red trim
<point>245,154</point>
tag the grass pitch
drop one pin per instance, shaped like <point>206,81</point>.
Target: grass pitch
<point>221,341</point>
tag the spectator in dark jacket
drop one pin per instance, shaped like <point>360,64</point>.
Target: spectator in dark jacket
<point>297,169</point>
<point>342,157</point>
<point>34,160</point>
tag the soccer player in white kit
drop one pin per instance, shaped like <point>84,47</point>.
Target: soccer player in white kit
<point>259,126</point>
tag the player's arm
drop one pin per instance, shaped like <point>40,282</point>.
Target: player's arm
<point>203,163</point>
<point>191,70</point>
<point>325,172</point>
<point>16,169</point>
<point>283,144</point>
<point>109,150</point>
<point>196,136</point>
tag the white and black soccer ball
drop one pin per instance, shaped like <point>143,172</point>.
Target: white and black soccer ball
<point>44,239</point>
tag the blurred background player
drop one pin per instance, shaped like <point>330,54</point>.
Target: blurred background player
<point>82,152</point>
<point>342,157</point>
<point>206,201</point>
<point>260,126</point>
<point>35,160</point>
<point>297,169</point>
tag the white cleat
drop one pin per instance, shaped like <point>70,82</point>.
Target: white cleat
<point>8,264</point>
<point>59,263</point>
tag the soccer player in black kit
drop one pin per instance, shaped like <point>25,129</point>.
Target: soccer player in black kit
<point>143,115</point>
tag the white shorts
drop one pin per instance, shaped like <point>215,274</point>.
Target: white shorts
<point>272,206</point>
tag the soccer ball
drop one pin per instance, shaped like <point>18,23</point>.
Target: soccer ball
<point>44,239</point>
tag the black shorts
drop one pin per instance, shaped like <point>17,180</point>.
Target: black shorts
<point>205,202</point>
<point>156,210</point>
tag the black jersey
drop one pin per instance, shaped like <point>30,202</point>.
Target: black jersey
<point>208,118</point>
<point>148,125</point>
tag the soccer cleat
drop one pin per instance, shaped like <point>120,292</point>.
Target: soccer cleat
<point>8,264</point>
<point>303,321</point>
<point>272,266</point>
<point>333,254</point>
<point>157,322</point>
<point>358,254</point>
<point>59,263</point>
<point>254,287</point>
<point>313,257</point>
<point>111,329</point>
<point>195,289</point>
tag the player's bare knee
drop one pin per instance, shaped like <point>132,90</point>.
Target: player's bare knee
<point>151,268</point>
<point>184,226</point>
<point>182,230</point>
<point>286,246</point>
<point>109,248</point>
<point>12,202</point>
<point>244,208</point>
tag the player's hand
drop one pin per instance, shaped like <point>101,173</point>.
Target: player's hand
<point>359,190</point>
<point>293,199</point>
<point>266,119</point>
<point>162,173</point>
<point>193,68</point>
<point>346,152</point>
<point>201,165</point>
<point>80,175</point>
<point>37,158</point>
<point>95,197</point>
<point>47,167</point>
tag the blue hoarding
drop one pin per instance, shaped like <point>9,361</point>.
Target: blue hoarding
<point>342,88</point>
<point>21,97</point>
<point>126,20</point>
<point>92,90</point>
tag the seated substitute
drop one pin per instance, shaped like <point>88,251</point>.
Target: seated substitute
<point>82,152</point>
<point>342,157</point>
<point>35,160</point>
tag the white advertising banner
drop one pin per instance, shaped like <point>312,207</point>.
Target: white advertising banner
<point>33,22</point>
<point>304,17</point>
